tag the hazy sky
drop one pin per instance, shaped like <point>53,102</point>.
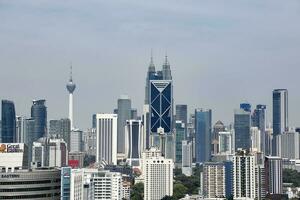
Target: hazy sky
<point>221,53</point>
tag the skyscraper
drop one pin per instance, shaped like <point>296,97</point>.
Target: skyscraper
<point>8,121</point>
<point>181,115</point>
<point>273,170</point>
<point>246,107</point>
<point>259,121</point>
<point>280,115</point>
<point>187,158</point>
<point>218,127</point>
<point>242,123</point>
<point>203,130</point>
<point>39,114</point>
<point>226,145</point>
<point>106,138</point>
<point>71,87</point>
<point>124,113</point>
<point>158,174</point>
<point>214,180</point>
<point>134,142</point>
<point>180,136</point>
<point>61,129</point>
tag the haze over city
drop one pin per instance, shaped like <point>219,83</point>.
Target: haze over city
<point>220,53</point>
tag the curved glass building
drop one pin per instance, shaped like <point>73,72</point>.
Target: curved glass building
<point>8,122</point>
<point>39,114</point>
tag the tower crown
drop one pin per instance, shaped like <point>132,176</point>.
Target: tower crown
<point>70,85</point>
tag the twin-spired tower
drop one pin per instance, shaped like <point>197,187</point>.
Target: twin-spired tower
<point>71,87</point>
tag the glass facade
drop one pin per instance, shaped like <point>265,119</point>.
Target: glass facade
<point>203,128</point>
<point>124,113</point>
<point>242,123</point>
<point>39,114</point>
<point>161,107</point>
<point>8,121</point>
<point>180,136</point>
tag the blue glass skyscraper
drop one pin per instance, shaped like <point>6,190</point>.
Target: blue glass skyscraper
<point>39,115</point>
<point>203,129</point>
<point>8,122</point>
<point>242,123</point>
<point>161,106</point>
<point>246,107</point>
<point>259,121</point>
<point>280,115</point>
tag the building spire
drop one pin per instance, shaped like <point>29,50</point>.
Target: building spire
<point>151,66</point>
<point>71,68</point>
<point>166,59</point>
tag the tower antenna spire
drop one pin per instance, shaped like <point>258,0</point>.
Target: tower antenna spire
<point>71,75</point>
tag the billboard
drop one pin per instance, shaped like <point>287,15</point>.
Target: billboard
<point>11,147</point>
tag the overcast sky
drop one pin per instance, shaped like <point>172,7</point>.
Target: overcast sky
<point>221,53</point>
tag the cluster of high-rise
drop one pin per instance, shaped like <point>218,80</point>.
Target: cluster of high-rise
<point>242,160</point>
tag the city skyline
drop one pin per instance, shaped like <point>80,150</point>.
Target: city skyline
<point>215,78</point>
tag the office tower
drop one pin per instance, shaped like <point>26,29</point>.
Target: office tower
<point>161,114</point>
<point>39,114</point>
<point>146,120</point>
<point>269,141</point>
<point>107,185</point>
<point>39,183</point>
<point>242,123</point>
<point>181,115</point>
<point>48,152</point>
<point>8,122</point>
<point>71,88</point>
<point>107,138</point>
<point>94,120</point>
<point>150,76</point>
<point>180,136</point>
<point>124,113</point>
<point>218,127</point>
<point>76,141</point>
<point>20,137</point>
<point>134,142</point>
<point>76,184</point>
<point>187,158</point>
<point>90,141</point>
<point>280,111</point>
<point>29,135</point>
<point>244,176</point>
<point>246,107</point>
<point>203,135</point>
<point>60,129</point>
<point>226,144</point>
<point>255,139</point>
<point>280,115</point>
<point>161,107</point>
<point>134,114</point>
<point>214,180</point>
<point>273,175</point>
<point>259,121</point>
<point>158,175</point>
<point>287,145</point>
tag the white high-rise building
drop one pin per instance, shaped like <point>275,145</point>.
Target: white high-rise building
<point>226,143</point>
<point>76,184</point>
<point>214,180</point>
<point>255,134</point>
<point>244,177</point>
<point>106,138</point>
<point>158,176</point>
<point>187,158</point>
<point>287,145</point>
<point>107,185</point>
<point>273,168</point>
<point>48,152</point>
<point>71,87</point>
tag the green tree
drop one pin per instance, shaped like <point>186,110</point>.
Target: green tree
<point>168,198</point>
<point>179,191</point>
<point>137,192</point>
<point>291,176</point>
